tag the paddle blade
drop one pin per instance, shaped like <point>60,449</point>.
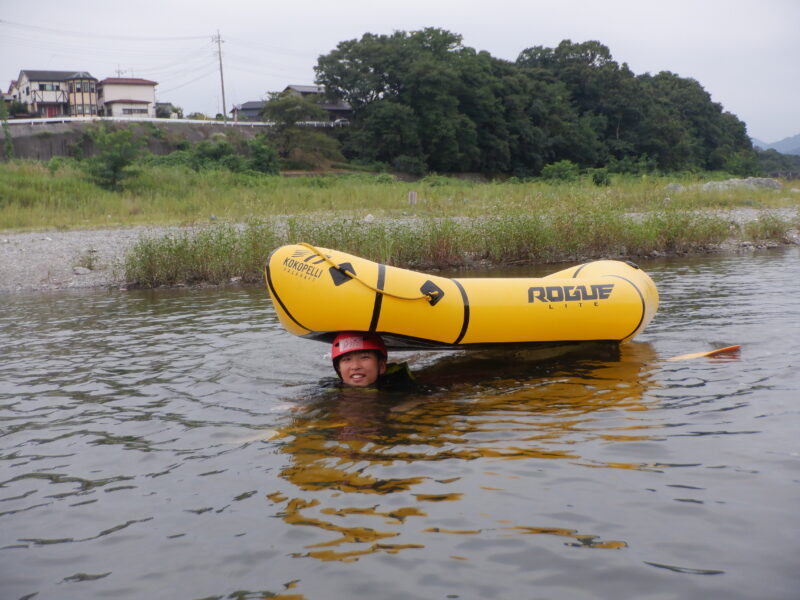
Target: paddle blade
<point>726,350</point>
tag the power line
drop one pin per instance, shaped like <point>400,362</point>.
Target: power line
<point>245,67</point>
<point>98,51</point>
<point>261,47</point>
<point>166,59</point>
<point>174,70</point>
<point>203,75</point>
<point>181,63</point>
<point>85,34</point>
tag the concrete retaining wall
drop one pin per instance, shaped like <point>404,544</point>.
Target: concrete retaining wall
<point>44,140</point>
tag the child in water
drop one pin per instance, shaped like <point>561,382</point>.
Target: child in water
<point>360,360</point>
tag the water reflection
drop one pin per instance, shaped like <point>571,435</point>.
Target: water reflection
<point>531,405</point>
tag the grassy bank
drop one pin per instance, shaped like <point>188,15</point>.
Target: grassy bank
<point>452,223</point>
<point>58,195</point>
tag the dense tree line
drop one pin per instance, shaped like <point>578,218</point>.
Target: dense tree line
<point>422,101</point>
<point>775,164</point>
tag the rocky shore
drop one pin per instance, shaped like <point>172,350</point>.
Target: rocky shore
<point>57,260</point>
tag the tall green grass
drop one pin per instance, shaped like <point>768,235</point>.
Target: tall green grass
<point>213,255</point>
<point>770,227</point>
<point>453,223</point>
<point>58,195</point>
<point>220,253</point>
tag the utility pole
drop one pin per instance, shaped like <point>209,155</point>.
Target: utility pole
<point>218,39</point>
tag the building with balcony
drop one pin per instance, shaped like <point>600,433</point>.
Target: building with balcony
<point>56,93</point>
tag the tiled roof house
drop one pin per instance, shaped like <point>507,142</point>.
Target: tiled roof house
<point>338,109</point>
<point>248,111</point>
<point>126,97</point>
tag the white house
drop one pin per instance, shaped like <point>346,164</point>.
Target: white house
<point>56,93</point>
<point>126,97</point>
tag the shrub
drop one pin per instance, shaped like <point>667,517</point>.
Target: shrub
<point>413,165</point>
<point>385,178</point>
<point>233,162</point>
<point>153,130</point>
<point>207,153</point>
<point>600,177</point>
<point>563,170</point>
<point>439,180</point>
<point>263,156</point>
<point>179,158</point>
<point>634,165</point>
<point>768,226</point>
<point>57,162</point>
<point>8,145</point>
<point>115,153</point>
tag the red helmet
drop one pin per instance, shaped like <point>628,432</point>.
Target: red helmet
<point>353,341</point>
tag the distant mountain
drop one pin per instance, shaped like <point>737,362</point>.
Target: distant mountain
<point>789,145</point>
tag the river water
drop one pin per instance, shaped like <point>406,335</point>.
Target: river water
<point>176,444</point>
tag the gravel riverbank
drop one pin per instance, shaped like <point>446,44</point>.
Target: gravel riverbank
<point>56,260</point>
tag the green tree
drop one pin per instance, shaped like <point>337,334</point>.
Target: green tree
<point>535,112</point>
<point>563,170</point>
<point>471,111</point>
<point>419,70</point>
<point>17,108</point>
<point>216,153</point>
<point>744,163</point>
<point>448,136</point>
<point>115,153</point>
<point>775,164</point>
<point>263,156</point>
<point>358,71</point>
<point>8,144</point>
<point>481,91</point>
<point>165,111</point>
<point>670,119</point>
<point>465,110</point>
<point>293,138</point>
<point>287,109</point>
<point>386,130</point>
<point>604,94</point>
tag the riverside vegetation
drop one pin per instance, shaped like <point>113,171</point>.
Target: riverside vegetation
<point>233,220</point>
<point>571,147</point>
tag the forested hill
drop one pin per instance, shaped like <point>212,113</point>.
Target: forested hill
<point>424,101</point>
<point>789,145</point>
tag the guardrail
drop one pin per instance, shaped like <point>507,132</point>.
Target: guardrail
<point>51,120</point>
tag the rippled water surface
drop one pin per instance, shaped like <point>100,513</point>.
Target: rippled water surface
<point>175,444</point>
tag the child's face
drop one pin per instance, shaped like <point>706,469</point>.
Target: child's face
<point>361,368</point>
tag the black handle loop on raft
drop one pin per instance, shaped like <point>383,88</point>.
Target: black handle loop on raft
<point>432,291</point>
<point>342,273</point>
<point>346,270</point>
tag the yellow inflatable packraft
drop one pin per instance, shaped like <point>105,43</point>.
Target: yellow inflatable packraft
<point>318,292</point>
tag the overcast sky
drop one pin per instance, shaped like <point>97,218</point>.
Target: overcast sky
<point>745,53</point>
